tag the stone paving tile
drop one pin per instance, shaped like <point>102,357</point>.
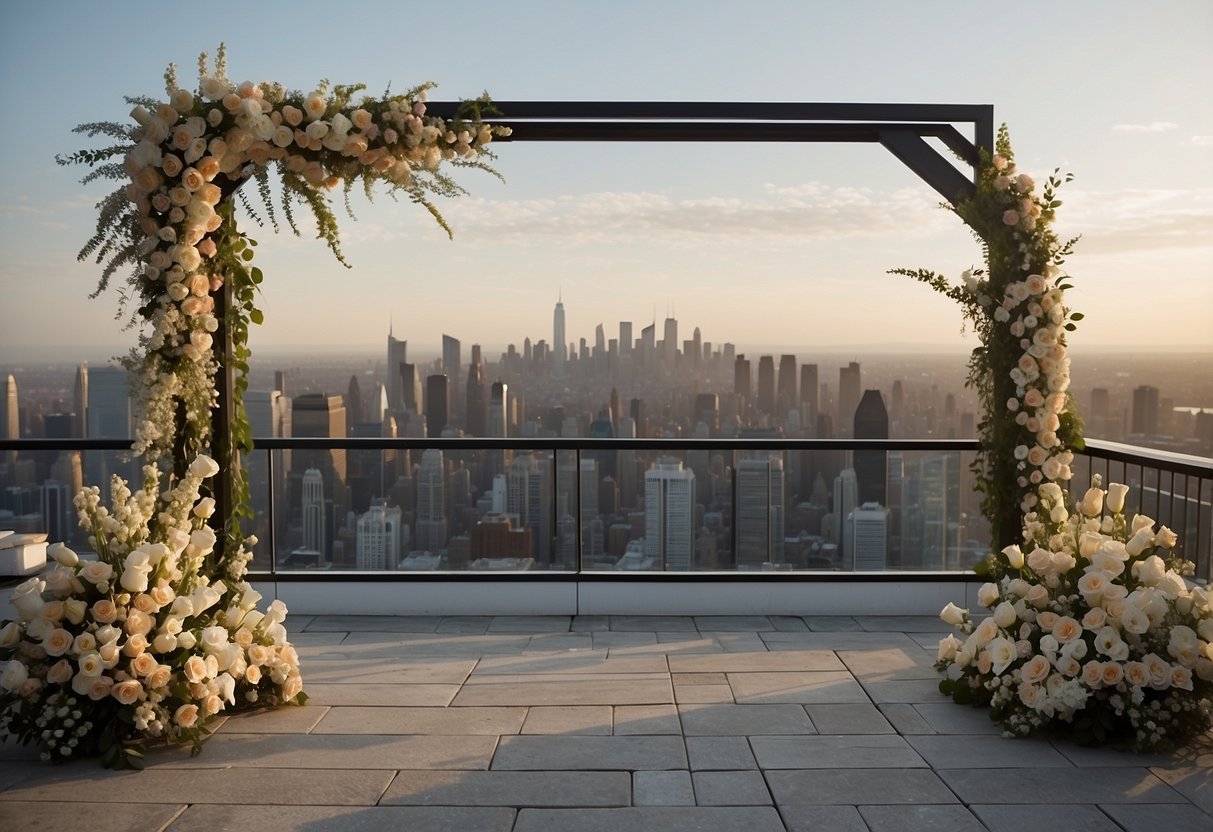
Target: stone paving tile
<point>571,719</point>
<point>858,786</point>
<point>649,818</point>
<point>419,646</point>
<point>258,784</point>
<point>946,717</point>
<point>345,819</point>
<point>921,819</point>
<point>1155,818</point>
<point>929,642</point>
<point>1194,783</point>
<point>372,670</point>
<point>562,753</point>
<point>756,661</point>
<point>20,816</point>
<point>590,689</point>
<point>662,788</point>
<point>837,640</point>
<point>835,752</point>
<point>558,643</point>
<point>335,751</point>
<point>509,788</point>
<point>305,643</point>
<point>11,750</point>
<point>831,623</point>
<point>669,644</point>
<point>720,754</point>
<point>579,663</point>
<point>1033,785</point>
<point>913,691</point>
<point>798,687</point>
<point>471,624</point>
<point>804,818</point>
<point>300,623</point>
<point>788,623</point>
<point>276,721</point>
<point>446,721</point>
<point>698,679</point>
<point>959,751</point>
<point>743,720</point>
<point>903,624</point>
<point>590,623</point>
<point>727,623</point>
<point>641,720</point>
<point>848,719</point>
<point>13,772</point>
<point>529,624</point>
<point>611,638</point>
<point>386,695</point>
<point>898,664</point>
<point>1071,818</point>
<point>1107,756</point>
<point>906,719</point>
<point>731,788</point>
<point>653,623</point>
<point>703,694</point>
<point>373,623</point>
<point>738,642</point>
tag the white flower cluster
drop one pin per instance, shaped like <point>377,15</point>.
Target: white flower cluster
<point>1096,610</point>
<point>142,625</point>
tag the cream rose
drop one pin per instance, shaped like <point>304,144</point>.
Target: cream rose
<point>195,669</point>
<point>128,692</point>
<point>27,599</point>
<point>57,642</point>
<point>186,715</point>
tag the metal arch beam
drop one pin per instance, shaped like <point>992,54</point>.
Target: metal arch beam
<point>931,167</point>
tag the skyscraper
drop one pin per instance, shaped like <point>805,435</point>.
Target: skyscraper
<point>869,537</point>
<point>742,384</point>
<point>498,420</point>
<point>848,398</point>
<point>379,537</point>
<point>397,355</point>
<point>10,428</point>
<point>354,411</point>
<point>476,423</point>
<point>431,529</point>
<point>786,391</point>
<point>315,515</point>
<point>437,405</point>
<point>766,384</point>
<point>625,337</point>
<point>669,514</point>
<point>808,396</point>
<point>669,346</point>
<point>109,417</point>
<point>529,498</point>
<point>1145,411</point>
<point>409,385</point>
<point>80,401</point>
<point>758,523</point>
<point>845,494</point>
<point>871,421</point>
<point>560,340</point>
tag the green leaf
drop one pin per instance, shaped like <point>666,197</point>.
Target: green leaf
<point>256,316</point>
<point>1076,316</point>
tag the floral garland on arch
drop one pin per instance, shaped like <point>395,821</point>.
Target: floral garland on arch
<point>1030,426</point>
<point>1091,625</point>
<point>161,633</point>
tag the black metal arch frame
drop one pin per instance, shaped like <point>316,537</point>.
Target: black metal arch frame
<point>903,129</point>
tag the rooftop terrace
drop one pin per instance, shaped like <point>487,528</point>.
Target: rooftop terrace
<point>526,723</point>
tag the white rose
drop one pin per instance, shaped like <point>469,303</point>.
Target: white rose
<point>1141,539</point>
<point>948,646</point>
<point>988,595</point>
<point>1014,556</point>
<point>1116,497</point>
<point>1004,614</point>
<point>14,675</point>
<point>1166,538</point>
<point>10,635</point>
<point>1150,571</point>
<point>203,466</point>
<point>63,555</point>
<point>1002,652</point>
<point>27,599</point>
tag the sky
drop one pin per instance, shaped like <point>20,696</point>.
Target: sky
<point>756,244</point>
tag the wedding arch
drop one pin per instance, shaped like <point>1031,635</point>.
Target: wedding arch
<point>163,632</point>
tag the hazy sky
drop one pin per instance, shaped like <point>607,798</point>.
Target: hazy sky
<point>755,244</point>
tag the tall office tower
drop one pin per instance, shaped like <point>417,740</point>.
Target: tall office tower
<point>498,420</point>
<point>354,411</point>
<point>315,414</point>
<point>766,384</point>
<point>808,397</point>
<point>587,492</point>
<point>707,411</point>
<point>452,356</point>
<point>10,428</point>
<point>939,498</point>
<point>758,497</point>
<point>845,500</point>
<point>1097,418</point>
<point>431,529</point>
<point>729,354</point>
<point>476,423</point>
<point>437,405</point>
<point>627,464</point>
<point>58,514</point>
<point>616,410</point>
<point>871,468</point>
<point>786,389</point>
<point>848,398</point>
<point>640,416</point>
<point>529,498</point>
<point>80,401</point>
<point>669,346</point>
<point>378,404</point>
<point>697,349</point>
<point>397,355</point>
<point>669,515</point>
<point>409,385</point>
<point>648,346</point>
<point>869,524</point>
<point>560,341</point>
<point>625,337</point>
<point>742,384</point>
<point>315,514</point>
<point>1145,411</point>
<point>109,417</point>
<point>897,406</point>
<point>896,486</point>
<point>379,537</point>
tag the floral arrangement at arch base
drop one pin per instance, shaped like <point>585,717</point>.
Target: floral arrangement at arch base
<point>1091,626</point>
<point>161,633</point>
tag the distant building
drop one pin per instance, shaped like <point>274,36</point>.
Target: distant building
<point>1145,411</point>
<point>758,516</point>
<point>379,537</point>
<point>871,421</point>
<point>669,517</point>
<point>869,537</point>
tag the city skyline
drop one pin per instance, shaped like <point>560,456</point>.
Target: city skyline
<point>789,244</point>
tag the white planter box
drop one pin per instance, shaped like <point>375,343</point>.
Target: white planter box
<point>22,560</point>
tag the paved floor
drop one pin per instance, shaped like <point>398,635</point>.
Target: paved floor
<point>521,724</point>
